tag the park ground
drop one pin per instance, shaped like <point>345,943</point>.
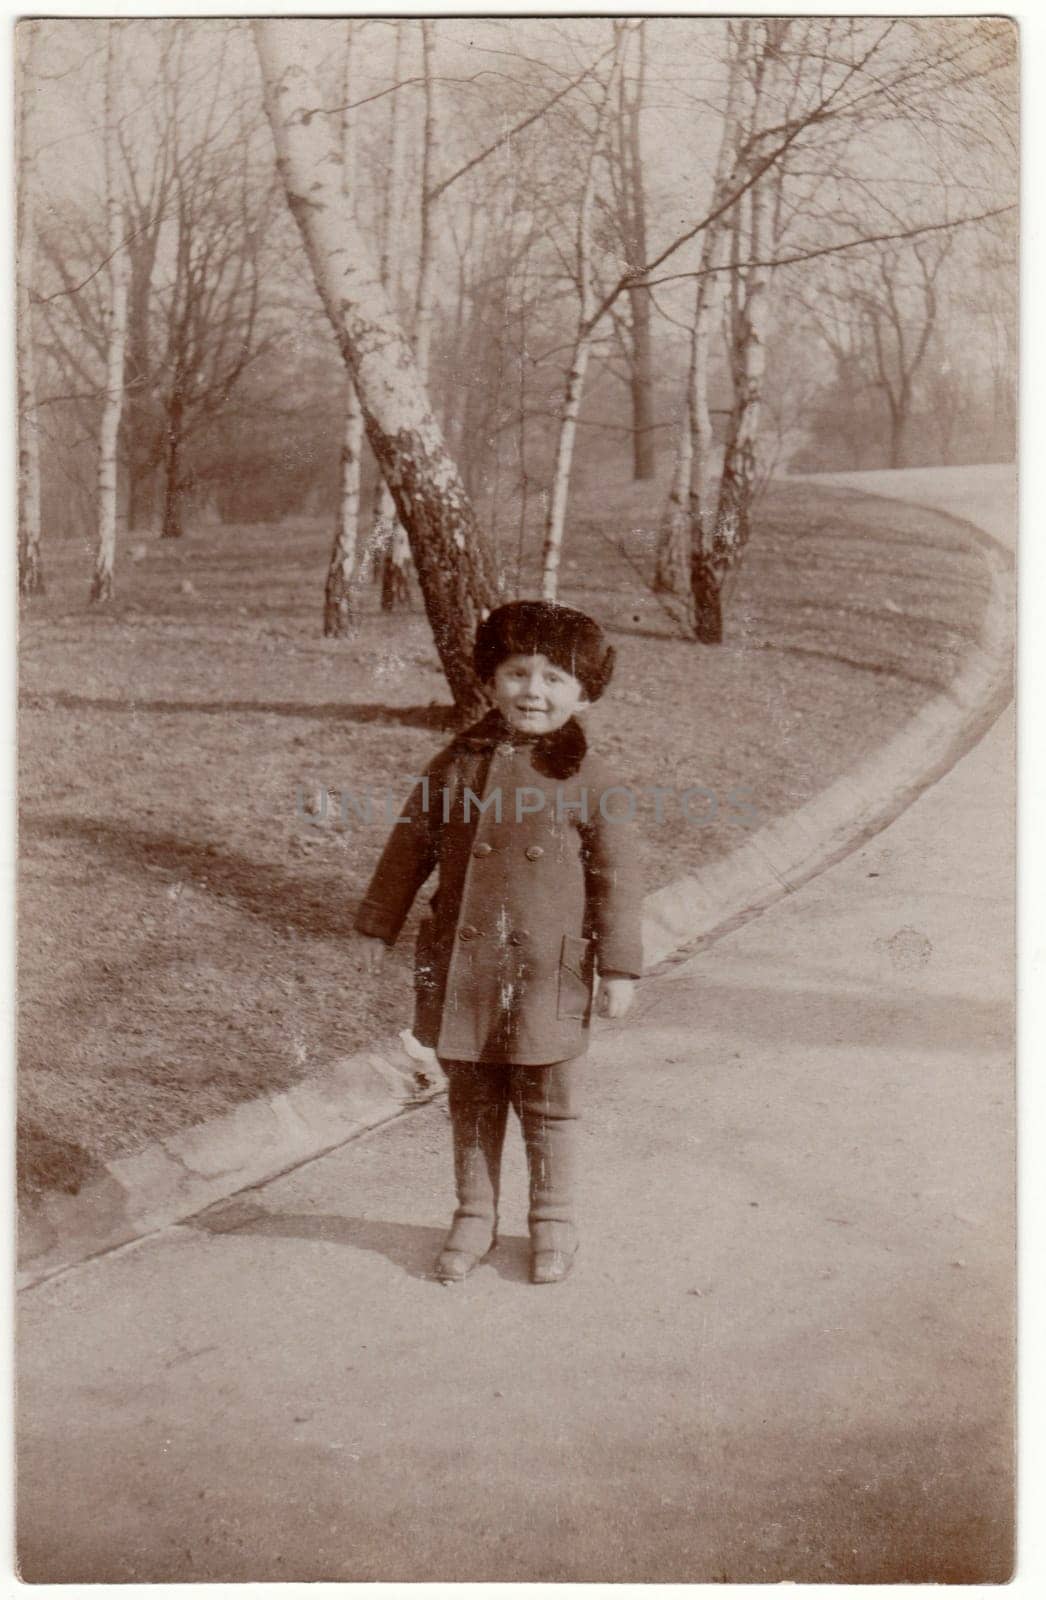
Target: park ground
<point>785,1353</point>
<point>183,917</point>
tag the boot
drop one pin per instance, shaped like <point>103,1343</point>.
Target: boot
<point>478,1101</point>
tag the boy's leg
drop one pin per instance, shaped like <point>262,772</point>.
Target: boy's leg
<point>546,1100</point>
<point>478,1098</point>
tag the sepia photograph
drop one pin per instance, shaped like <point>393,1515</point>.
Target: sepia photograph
<point>516,524</point>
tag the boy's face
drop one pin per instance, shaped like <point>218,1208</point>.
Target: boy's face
<point>534,695</point>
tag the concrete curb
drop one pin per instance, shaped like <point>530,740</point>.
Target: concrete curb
<point>680,918</point>
<point>179,1176</point>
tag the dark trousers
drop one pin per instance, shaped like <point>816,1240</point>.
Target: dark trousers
<point>545,1099</point>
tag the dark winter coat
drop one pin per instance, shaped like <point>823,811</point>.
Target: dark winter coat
<point>529,904</point>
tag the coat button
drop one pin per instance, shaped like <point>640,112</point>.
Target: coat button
<point>518,938</point>
<point>466,932</point>
<point>534,852</point>
<point>483,850</point>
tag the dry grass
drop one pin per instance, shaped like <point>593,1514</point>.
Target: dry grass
<point>183,929</point>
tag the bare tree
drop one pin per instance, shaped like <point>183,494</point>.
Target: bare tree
<point>148,179</point>
<point>683,526</point>
<point>582,344</point>
<point>388,534</point>
<point>897,306</point>
<point>116,336</point>
<point>808,89</point>
<point>631,206</point>
<point>717,552</point>
<point>212,312</point>
<point>341,571</point>
<point>30,563</point>
<point>877,312</point>
<point>454,566</point>
<point>430,153</point>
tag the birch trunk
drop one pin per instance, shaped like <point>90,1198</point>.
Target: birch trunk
<point>116,343</point>
<point>395,586</point>
<point>454,566</point>
<point>30,563</point>
<point>681,535</point>
<point>575,387</point>
<point>749,364</point>
<point>644,452</point>
<point>754,228</point>
<point>723,550</point>
<point>672,571</point>
<point>395,583</point>
<point>430,147</point>
<point>341,571</point>
<point>557,506</point>
<point>707,320</point>
<point>719,249</point>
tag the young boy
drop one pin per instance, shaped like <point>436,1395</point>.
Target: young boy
<point>537,893</point>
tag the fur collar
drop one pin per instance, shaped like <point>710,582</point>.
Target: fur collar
<point>556,755</point>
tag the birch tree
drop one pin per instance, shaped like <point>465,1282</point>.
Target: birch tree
<point>632,209</point>
<point>454,565</point>
<point>30,563</point>
<point>116,337</point>
<point>784,59</point>
<point>682,528</point>
<point>388,534</point>
<point>430,153</point>
<point>582,345</point>
<point>341,572</point>
<point>751,242</point>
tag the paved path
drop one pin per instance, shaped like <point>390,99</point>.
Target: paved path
<point>785,1352</point>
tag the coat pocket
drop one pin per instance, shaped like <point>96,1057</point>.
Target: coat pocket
<point>426,984</point>
<point>575,978</point>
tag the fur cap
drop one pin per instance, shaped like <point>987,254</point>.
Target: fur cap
<point>571,639</point>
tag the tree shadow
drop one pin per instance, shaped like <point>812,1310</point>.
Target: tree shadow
<point>322,910</point>
<point>431,716</point>
<point>409,1246</point>
<point>879,669</point>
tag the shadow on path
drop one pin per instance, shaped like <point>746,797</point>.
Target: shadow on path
<point>407,1245</point>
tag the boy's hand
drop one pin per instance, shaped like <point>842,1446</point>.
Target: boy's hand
<point>370,953</point>
<point>615,997</point>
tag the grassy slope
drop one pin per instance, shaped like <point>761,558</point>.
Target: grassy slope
<point>183,930</point>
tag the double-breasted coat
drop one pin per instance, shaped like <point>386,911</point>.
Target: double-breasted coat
<point>537,890</point>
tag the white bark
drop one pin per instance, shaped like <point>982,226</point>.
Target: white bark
<point>575,387</point>
<point>708,308</point>
<point>391,232</point>
<point>386,533</point>
<point>750,323</point>
<point>30,564</point>
<point>341,572</point>
<point>454,565</point>
<point>672,575</point>
<point>749,364</point>
<point>115,343</point>
<point>427,248</point>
